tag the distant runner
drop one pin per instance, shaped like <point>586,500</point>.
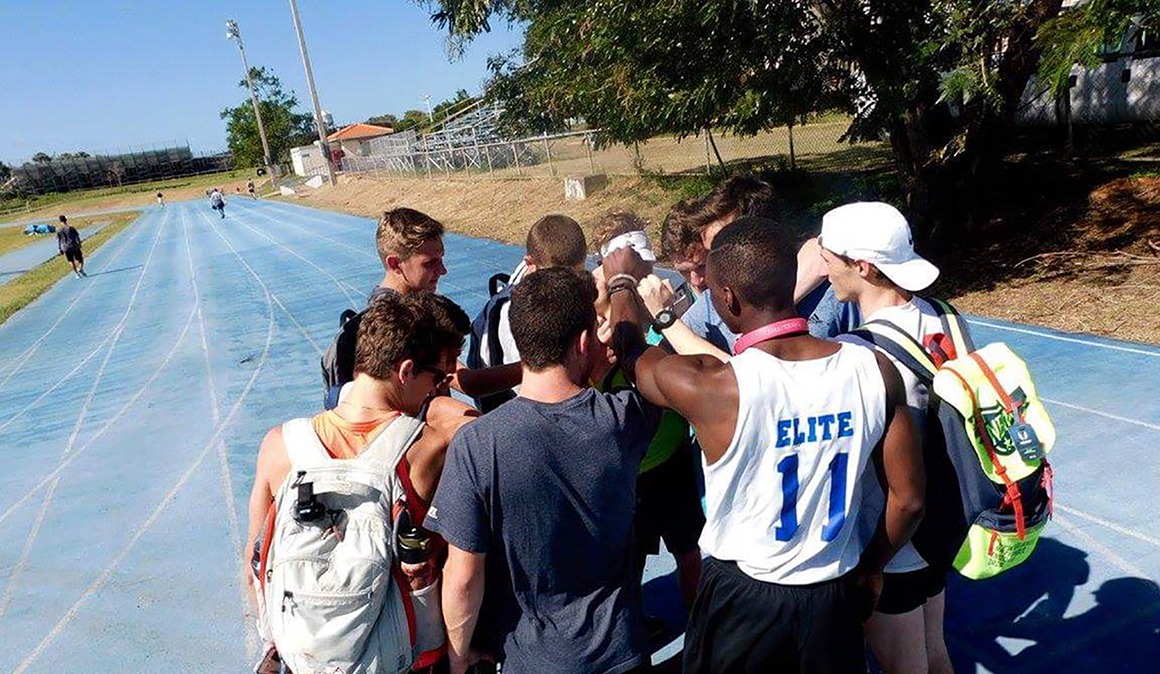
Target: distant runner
<point>161,200</point>
<point>218,202</point>
<point>68,240</point>
<point>250,188</point>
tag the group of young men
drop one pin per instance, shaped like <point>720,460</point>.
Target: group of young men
<point>537,515</point>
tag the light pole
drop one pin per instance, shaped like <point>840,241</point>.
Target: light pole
<point>427,100</point>
<point>313,92</point>
<point>234,34</point>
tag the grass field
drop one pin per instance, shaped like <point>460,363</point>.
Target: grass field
<point>12,238</point>
<point>144,193</point>
<point>22,290</point>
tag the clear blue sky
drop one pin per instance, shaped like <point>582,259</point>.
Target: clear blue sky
<point>103,74</point>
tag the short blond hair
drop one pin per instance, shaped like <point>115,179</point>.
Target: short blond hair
<point>614,223</point>
<point>403,230</point>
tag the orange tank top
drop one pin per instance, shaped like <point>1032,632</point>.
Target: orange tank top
<point>344,439</point>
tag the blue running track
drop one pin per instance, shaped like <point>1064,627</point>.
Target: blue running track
<point>132,404</point>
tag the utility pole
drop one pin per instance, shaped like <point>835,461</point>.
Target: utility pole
<point>427,100</point>
<point>313,92</point>
<point>234,34</point>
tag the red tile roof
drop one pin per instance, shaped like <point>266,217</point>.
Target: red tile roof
<point>359,130</point>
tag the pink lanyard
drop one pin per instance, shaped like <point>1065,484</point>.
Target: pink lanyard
<point>790,326</point>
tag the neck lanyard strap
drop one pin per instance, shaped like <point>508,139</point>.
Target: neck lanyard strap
<point>790,326</point>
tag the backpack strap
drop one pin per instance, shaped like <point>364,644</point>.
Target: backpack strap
<point>390,445</point>
<point>902,346</point>
<point>303,447</point>
<point>493,283</point>
<point>953,325</point>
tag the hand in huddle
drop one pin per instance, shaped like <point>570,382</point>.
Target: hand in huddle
<point>624,261</point>
<point>656,293</point>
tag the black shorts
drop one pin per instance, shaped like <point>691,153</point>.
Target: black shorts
<point>741,625</point>
<point>74,255</point>
<point>668,505</point>
<point>904,592</point>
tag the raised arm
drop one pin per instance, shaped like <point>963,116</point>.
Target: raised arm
<point>486,381</point>
<point>900,454</point>
<point>700,388</point>
<point>656,295</point>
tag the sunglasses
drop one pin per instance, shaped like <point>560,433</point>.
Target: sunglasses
<point>439,375</point>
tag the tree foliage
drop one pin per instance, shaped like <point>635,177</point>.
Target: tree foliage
<point>387,120</point>
<point>1079,36</point>
<point>941,79</point>
<point>5,172</point>
<point>41,158</point>
<point>285,126</point>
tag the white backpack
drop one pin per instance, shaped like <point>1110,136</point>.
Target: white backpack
<point>333,599</point>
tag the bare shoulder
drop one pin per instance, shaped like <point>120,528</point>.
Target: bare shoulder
<point>273,461</point>
<point>447,415</point>
<point>895,388</point>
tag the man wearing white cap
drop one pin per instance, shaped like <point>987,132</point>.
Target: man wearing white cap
<point>869,252</point>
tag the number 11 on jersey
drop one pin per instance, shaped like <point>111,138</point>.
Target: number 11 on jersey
<point>836,516</point>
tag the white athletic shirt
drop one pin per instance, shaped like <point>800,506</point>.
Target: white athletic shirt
<point>919,319</point>
<point>804,428</point>
<point>511,354</point>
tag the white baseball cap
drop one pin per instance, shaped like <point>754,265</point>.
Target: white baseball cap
<point>877,233</point>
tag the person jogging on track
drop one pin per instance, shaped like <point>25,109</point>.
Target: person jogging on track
<point>250,189</point>
<point>68,241</point>
<point>787,428</point>
<point>218,202</point>
<point>161,200</point>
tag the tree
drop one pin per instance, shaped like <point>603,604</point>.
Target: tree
<point>411,119</point>
<point>285,126</point>
<point>940,79</point>
<point>41,158</point>
<point>387,119</point>
<point>5,172</point>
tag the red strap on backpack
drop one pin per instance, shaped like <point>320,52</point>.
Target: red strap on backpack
<point>267,539</point>
<point>1012,497</point>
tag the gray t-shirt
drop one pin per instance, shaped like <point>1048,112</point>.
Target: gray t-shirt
<point>547,491</point>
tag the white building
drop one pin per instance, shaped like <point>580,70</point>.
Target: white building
<point>308,160</point>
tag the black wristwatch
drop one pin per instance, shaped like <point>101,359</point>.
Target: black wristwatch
<point>664,319</point>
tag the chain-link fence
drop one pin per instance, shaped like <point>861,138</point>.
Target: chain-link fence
<point>587,152</point>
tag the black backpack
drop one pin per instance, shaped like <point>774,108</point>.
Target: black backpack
<point>486,327</point>
<point>338,361</point>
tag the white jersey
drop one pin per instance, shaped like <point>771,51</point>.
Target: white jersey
<point>918,319</point>
<point>777,502</point>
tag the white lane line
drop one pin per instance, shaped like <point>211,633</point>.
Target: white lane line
<point>103,578</point>
<point>114,334</point>
<point>341,285</point>
<point>252,640</point>
<point>68,459</point>
<point>23,358</point>
<point>1101,549</point>
<point>1108,415</point>
<point>340,219</point>
<point>1061,338</point>
<point>253,273</point>
<point>26,552</point>
<point>1120,529</point>
<point>356,249</point>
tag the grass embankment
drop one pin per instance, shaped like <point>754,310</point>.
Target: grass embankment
<point>12,238</point>
<point>22,290</point>
<point>127,196</point>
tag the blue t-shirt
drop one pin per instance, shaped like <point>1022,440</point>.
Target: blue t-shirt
<point>828,317</point>
<point>548,491</point>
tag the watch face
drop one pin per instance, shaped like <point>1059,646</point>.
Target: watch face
<point>665,319</point>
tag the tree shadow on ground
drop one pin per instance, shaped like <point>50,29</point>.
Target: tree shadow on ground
<point>1019,622</point>
<point>1053,216</point>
